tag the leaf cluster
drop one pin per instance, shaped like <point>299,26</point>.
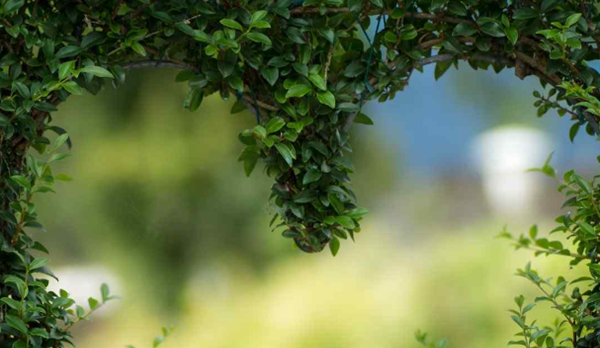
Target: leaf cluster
<point>305,70</point>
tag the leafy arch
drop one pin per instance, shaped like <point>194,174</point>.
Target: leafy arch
<point>305,69</point>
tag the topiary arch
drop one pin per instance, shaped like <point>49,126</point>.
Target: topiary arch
<point>305,69</point>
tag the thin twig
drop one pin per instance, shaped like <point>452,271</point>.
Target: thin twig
<point>142,8</point>
<point>433,42</point>
<point>159,64</point>
<point>558,252</point>
<point>259,103</point>
<point>558,106</point>
<point>328,63</point>
<point>555,80</point>
<point>418,15</point>
<point>447,57</point>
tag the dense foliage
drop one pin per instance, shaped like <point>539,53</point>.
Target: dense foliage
<point>305,70</point>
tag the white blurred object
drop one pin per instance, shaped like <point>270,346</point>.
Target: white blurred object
<point>84,282</point>
<point>503,155</point>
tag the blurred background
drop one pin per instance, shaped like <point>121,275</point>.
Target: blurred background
<point>161,210</point>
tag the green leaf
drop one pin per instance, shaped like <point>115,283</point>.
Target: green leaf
<point>354,69</point>
<point>261,25</point>
<point>93,303</point>
<point>357,212</point>
<point>73,88</point>
<point>291,135</point>
<point>436,5</point>
<point>492,28</point>
<point>250,164</point>
<point>58,157</point>
<point>328,34</point>
<point>211,50</point>
<point>453,45</point>
<point>518,320</point>
<point>319,146</point>
<point>337,204</point>
<point>64,70</point>
<point>297,91</point>
<point>61,140</point>
<point>311,176</point>
<point>326,98</point>
<point>257,17</point>
<point>573,131</point>
<point>202,37</point>
<point>305,196</point>
<point>555,54</point>
<point>97,71</point>
<point>574,43</point>
<point>39,332</point>
<point>230,23</point>
<point>19,344</point>
<point>345,221</point>
<point>269,141</point>
<point>139,49</point>
<point>512,34</point>
<point>286,153</point>
<point>318,81</point>
<point>68,51</point>
<point>457,8</point>
<point>22,181</point>
<point>35,224</point>
<point>441,68</point>
<point>105,292</point>
<point>349,107</point>
<point>186,29</point>
<point>275,124</point>
<point>533,231</point>
<point>363,119</point>
<point>235,82</point>
<point>354,5</point>
<point>157,342</point>
<point>548,5</point>
<point>409,33</point>
<point>295,35</point>
<point>79,311</point>
<point>194,99</point>
<point>16,323</point>
<point>260,131</point>
<point>12,303</point>
<point>464,29</point>
<point>526,13</point>
<point>22,89</point>
<point>19,283</point>
<point>13,6</point>
<point>334,246</point>
<point>259,37</point>
<point>572,19</point>
<point>271,74</point>
<point>505,21</point>
<point>587,228</point>
<point>390,37</point>
<point>37,263</point>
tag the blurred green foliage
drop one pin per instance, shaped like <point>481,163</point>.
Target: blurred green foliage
<point>145,202</point>
<point>164,184</point>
